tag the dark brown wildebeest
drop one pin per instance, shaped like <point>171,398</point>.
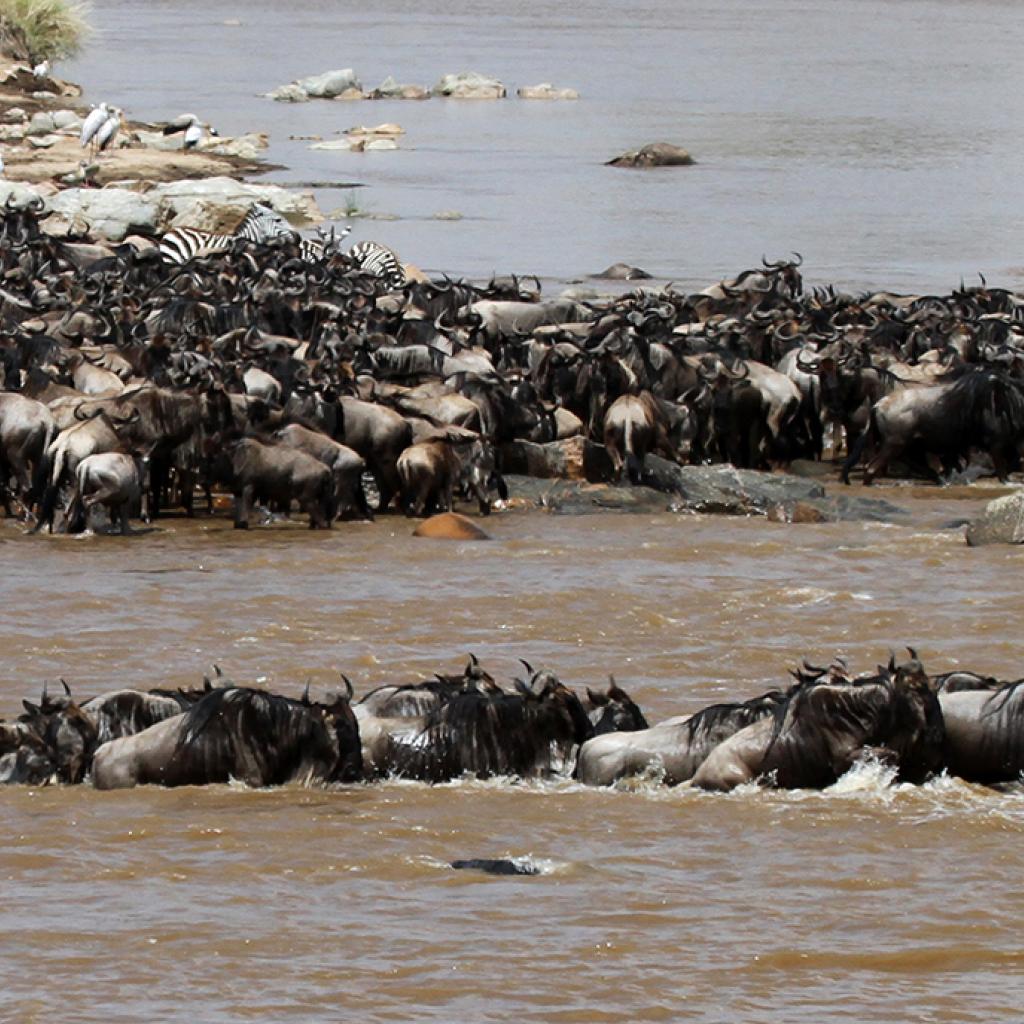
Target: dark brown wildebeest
<point>277,473</point>
<point>824,726</point>
<point>258,738</point>
<point>345,464</point>
<point>637,424</point>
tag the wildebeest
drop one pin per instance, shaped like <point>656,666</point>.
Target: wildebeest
<point>114,479</point>
<point>258,738</point>
<point>825,726</point>
<point>978,408</point>
<point>431,470</point>
<point>633,426</point>
<point>69,736</point>
<point>26,431</point>
<point>346,465</point>
<point>275,472</point>
<point>380,435</point>
<point>985,732</point>
<point>524,734</point>
<point>672,750</point>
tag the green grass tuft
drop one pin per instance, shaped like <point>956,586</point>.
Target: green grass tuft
<point>35,30</point>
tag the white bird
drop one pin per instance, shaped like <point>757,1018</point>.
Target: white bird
<point>42,69</point>
<point>108,130</point>
<point>193,128</point>
<point>91,125</point>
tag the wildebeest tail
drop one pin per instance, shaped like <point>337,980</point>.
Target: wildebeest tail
<point>43,465</point>
<point>634,465</point>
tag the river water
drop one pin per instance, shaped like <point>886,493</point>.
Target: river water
<point>222,904</point>
<point>878,139</point>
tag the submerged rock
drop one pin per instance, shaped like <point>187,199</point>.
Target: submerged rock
<point>291,93</point>
<point>657,154</point>
<point>623,272</point>
<point>1002,522</point>
<point>577,497</point>
<point>546,91</point>
<point>469,85</point>
<point>329,84</point>
<point>574,458</point>
<point>390,89</point>
<point>450,526</point>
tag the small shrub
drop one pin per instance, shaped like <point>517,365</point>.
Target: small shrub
<point>36,30</point>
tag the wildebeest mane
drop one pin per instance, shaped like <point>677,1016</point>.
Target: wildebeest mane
<point>126,712</point>
<point>263,738</point>
<point>1004,702</point>
<point>493,734</point>
<point>717,722</point>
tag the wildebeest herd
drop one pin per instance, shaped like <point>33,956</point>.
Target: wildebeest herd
<point>806,735</point>
<point>289,374</point>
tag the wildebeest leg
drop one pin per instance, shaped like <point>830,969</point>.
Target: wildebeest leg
<point>124,519</point>
<point>880,461</point>
<point>243,502</point>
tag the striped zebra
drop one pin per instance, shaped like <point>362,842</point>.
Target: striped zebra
<point>377,259</point>
<point>260,224</point>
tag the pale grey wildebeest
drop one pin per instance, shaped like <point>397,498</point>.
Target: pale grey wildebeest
<point>114,479</point>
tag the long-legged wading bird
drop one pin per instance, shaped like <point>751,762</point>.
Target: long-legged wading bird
<point>91,125</point>
<point>193,128</point>
<point>108,130</point>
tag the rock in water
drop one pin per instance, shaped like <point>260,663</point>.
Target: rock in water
<point>1002,522</point>
<point>450,526</point>
<point>657,154</point>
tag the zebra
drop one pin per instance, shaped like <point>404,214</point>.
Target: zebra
<point>378,259</point>
<point>260,224</point>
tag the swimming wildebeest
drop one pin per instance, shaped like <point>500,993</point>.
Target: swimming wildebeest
<point>825,726</point>
<point>674,750</point>
<point>525,734</point>
<point>985,732</point>
<point>258,738</point>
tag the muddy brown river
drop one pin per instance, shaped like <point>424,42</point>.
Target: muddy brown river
<point>867,901</point>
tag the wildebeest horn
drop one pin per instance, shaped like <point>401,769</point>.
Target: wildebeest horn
<point>349,688</point>
<point>305,694</point>
<point>527,666</point>
<point>913,653</point>
<point>597,699</point>
<point>67,689</point>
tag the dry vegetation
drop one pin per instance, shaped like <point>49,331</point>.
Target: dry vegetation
<point>35,30</point>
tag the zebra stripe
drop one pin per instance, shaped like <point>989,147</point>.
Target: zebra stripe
<point>379,260</point>
<point>260,224</point>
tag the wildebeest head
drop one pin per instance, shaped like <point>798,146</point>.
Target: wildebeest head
<point>69,735</point>
<point>480,476</point>
<point>614,711</point>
